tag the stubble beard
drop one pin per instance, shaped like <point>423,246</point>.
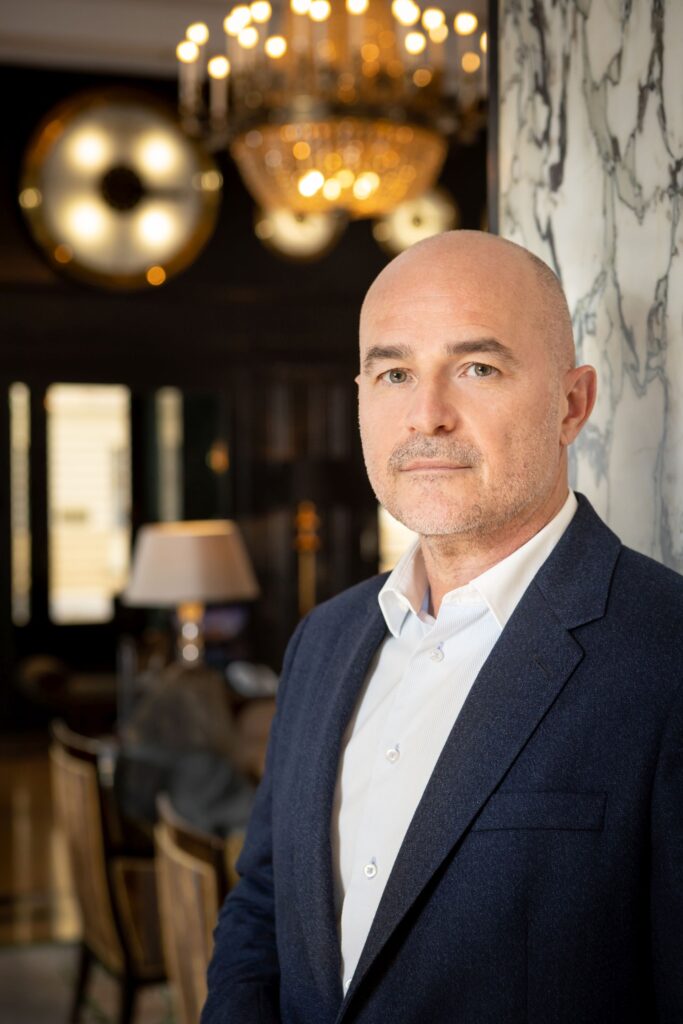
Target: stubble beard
<point>433,505</point>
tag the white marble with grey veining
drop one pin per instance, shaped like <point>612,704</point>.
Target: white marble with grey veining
<point>591,179</point>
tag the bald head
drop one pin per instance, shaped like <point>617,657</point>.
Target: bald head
<point>474,262</point>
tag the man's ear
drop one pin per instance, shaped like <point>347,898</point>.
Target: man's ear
<point>580,390</point>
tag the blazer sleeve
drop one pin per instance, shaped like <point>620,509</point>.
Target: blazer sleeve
<point>244,973</point>
<point>667,871</point>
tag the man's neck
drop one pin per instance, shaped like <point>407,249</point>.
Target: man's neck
<point>453,560</point>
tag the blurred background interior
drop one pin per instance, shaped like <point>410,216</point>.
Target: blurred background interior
<point>194,198</point>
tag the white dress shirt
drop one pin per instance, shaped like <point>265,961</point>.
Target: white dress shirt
<point>413,694</point>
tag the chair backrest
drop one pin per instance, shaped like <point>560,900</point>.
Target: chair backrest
<point>76,789</point>
<point>192,883</point>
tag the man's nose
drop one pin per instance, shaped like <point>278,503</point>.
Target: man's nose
<point>430,410</point>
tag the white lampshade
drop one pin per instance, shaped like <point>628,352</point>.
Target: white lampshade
<point>176,563</point>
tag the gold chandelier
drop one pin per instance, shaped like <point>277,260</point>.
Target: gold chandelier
<point>330,106</point>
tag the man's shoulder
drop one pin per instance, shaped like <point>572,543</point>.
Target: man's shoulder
<point>649,583</point>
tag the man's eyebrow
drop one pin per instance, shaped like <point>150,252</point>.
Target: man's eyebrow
<point>475,346</point>
<point>377,352</point>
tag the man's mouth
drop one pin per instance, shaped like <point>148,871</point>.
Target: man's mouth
<point>431,466</point>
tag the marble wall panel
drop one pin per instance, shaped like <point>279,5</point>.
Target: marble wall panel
<point>591,179</point>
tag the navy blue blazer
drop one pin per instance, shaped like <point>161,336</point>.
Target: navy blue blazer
<point>541,878</point>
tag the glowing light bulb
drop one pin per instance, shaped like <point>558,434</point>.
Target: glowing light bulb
<point>301,6</point>
<point>406,12</point>
<point>187,52</point>
<point>89,150</point>
<point>465,23</point>
<point>156,227</point>
<point>365,184</point>
<point>260,11</point>
<point>470,62</point>
<point>157,154</point>
<point>155,275</point>
<point>432,18</point>
<point>301,150</point>
<point>319,10</point>
<point>310,183</point>
<point>345,177</point>
<point>439,34</point>
<point>484,42</point>
<point>87,220</point>
<point>415,43</point>
<point>198,33</point>
<point>218,67</point>
<point>332,189</point>
<point>276,47</point>
<point>357,6</point>
<point>248,37</point>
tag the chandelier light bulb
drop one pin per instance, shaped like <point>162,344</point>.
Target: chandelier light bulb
<point>238,18</point>
<point>248,37</point>
<point>433,18</point>
<point>301,6</point>
<point>187,52</point>
<point>320,10</point>
<point>357,6</point>
<point>332,189</point>
<point>310,183</point>
<point>261,11</point>
<point>406,12</point>
<point>198,33</point>
<point>218,67</point>
<point>276,47</point>
<point>465,23</point>
<point>415,43</point>
<point>439,34</point>
<point>470,62</point>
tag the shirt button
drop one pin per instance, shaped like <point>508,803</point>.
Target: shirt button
<point>392,755</point>
<point>370,870</point>
<point>437,654</point>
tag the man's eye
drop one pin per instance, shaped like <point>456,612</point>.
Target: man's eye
<point>481,370</point>
<point>395,376</point>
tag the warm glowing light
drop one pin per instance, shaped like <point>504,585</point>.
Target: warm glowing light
<point>63,254</point>
<point>276,47</point>
<point>210,181</point>
<point>440,34</point>
<point>470,62</point>
<point>310,183</point>
<point>365,184</point>
<point>157,154</point>
<point>198,33</point>
<point>301,6</point>
<point>465,23</point>
<point>89,150</point>
<point>406,12</point>
<point>301,150</point>
<point>320,10</point>
<point>156,227</point>
<point>369,51</point>
<point>422,77</point>
<point>187,52</point>
<point>432,18</point>
<point>240,16</point>
<point>415,43</point>
<point>86,220</point>
<point>332,189</point>
<point>156,276</point>
<point>248,37</point>
<point>345,177</point>
<point>484,42</point>
<point>30,198</point>
<point>357,6</point>
<point>260,11</point>
<point>218,67</point>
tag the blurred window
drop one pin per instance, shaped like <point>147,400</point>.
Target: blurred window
<point>89,498</point>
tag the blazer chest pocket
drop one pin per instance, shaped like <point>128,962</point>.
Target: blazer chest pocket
<point>575,812</point>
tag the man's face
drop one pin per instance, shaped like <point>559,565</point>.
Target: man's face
<point>459,399</point>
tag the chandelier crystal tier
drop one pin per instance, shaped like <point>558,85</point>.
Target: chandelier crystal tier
<point>333,106</point>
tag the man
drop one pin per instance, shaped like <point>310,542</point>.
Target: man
<point>473,807</point>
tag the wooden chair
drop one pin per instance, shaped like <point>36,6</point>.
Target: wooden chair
<point>116,891</point>
<point>192,875</point>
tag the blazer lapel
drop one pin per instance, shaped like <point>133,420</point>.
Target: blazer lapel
<point>523,676</point>
<point>336,697</point>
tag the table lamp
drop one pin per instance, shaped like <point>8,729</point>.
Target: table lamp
<point>187,565</point>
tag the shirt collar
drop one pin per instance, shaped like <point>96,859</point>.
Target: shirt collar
<point>501,586</point>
